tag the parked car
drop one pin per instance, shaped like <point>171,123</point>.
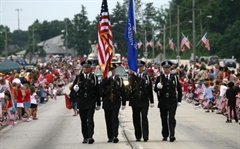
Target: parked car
<point>212,60</point>
<point>205,59</point>
<point>230,63</point>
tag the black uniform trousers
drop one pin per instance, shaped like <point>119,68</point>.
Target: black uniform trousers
<point>168,121</point>
<point>140,122</point>
<point>86,116</point>
<point>112,122</point>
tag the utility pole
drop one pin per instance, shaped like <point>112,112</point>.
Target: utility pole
<point>6,44</point>
<point>18,10</point>
<point>33,46</point>
<point>145,52</point>
<point>170,21</point>
<point>66,34</point>
<point>201,28</point>
<point>178,35</point>
<point>164,40</point>
<point>153,54</point>
<point>193,27</point>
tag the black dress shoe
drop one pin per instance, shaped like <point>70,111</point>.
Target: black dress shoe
<point>172,138</point>
<point>90,141</point>
<point>84,141</point>
<point>115,140</point>
<point>110,140</point>
<point>145,139</point>
<point>138,140</point>
<point>164,139</point>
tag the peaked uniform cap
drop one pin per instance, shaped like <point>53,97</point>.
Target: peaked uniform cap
<point>166,63</point>
<point>141,63</point>
<point>86,63</point>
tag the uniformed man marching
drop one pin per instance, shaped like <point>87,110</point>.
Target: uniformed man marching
<point>113,96</point>
<point>140,95</point>
<point>169,93</point>
<point>87,88</point>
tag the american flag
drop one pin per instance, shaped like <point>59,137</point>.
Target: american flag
<point>147,44</point>
<point>171,44</point>
<point>105,45</point>
<point>206,41</point>
<point>159,45</point>
<point>139,44</point>
<point>184,43</point>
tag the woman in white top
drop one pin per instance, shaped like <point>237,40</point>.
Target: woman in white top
<point>34,102</point>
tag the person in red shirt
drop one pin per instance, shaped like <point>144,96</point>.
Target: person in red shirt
<point>27,102</point>
<point>50,78</point>
<point>17,92</point>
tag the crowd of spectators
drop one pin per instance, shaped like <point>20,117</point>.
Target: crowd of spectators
<point>23,90</point>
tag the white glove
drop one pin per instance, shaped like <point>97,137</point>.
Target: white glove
<point>123,107</point>
<point>152,105</point>
<point>98,107</point>
<point>109,74</point>
<point>159,85</point>
<point>179,104</point>
<point>76,88</point>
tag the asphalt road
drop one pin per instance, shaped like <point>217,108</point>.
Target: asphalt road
<point>58,129</point>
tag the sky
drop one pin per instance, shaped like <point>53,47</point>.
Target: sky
<point>30,10</point>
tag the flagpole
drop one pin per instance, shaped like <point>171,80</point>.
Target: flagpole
<point>198,43</point>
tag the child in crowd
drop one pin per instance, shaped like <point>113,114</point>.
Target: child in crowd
<point>27,101</point>
<point>191,89</point>
<point>231,96</point>
<point>73,98</point>
<point>17,92</point>
<point>34,102</point>
<point>7,105</point>
<point>208,95</point>
<point>222,94</point>
<point>42,93</point>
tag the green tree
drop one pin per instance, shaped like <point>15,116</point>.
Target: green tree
<point>4,33</point>
<point>20,37</point>
<point>79,33</point>
<point>118,20</point>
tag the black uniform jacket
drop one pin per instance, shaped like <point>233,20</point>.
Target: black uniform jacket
<point>112,92</point>
<point>171,93</point>
<point>88,93</point>
<point>140,91</point>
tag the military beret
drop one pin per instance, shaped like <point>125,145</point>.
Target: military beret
<point>166,64</point>
<point>86,64</point>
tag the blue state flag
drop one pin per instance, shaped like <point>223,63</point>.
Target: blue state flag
<point>130,37</point>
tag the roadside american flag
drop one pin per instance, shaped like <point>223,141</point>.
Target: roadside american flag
<point>105,45</point>
<point>147,44</point>
<point>206,41</point>
<point>184,43</point>
<point>171,44</point>
<point>139,44</point>
<point>151,44</point>
<point>159,45</point>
